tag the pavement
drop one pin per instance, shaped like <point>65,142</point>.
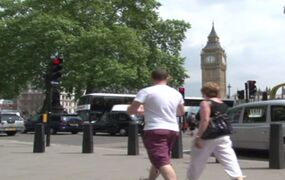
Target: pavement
<point>107,162</point>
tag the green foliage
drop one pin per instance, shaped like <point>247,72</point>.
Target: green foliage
<point>108,45</point>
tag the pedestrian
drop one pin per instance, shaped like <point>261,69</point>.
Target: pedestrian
<point>192,123</point>
<point>221,146</point>
<point>161,105</point>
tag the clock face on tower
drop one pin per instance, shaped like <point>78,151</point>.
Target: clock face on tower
<point>210,59</point>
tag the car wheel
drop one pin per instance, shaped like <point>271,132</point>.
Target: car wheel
<point>25,132</point>
<point>52,131</point>
<point>140,131</point>
<point>112,133</point>
<point>11,133</point>
<point>123,132</point>
<point>74,132</point>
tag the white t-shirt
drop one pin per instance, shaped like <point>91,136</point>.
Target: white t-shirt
<point>160,107</point>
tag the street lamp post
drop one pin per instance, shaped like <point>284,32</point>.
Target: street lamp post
<point>229,91</point>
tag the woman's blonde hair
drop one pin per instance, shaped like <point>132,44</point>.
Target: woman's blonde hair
<point>211,89</point>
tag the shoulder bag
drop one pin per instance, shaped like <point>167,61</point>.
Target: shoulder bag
<point>219,125</point>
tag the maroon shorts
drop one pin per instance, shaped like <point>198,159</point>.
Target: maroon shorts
<point>158,144</point>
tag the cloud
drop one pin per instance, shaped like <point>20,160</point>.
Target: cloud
<point>250,31</point>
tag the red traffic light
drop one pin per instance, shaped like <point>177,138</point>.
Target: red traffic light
<point>181,90</point>
<point>56,69</point>
<point>57,61</point>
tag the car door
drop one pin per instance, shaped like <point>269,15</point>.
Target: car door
<point>277,115</point>
<point>235,115</point>
<point>253,131</point>
<point>101,125</point>
<point>31,123</point>
<point>123,120</point>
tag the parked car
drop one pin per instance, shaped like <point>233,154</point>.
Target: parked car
<point>31,122</point>
<point>251,123</point>
<point>11,122</point>
<point>116,122</point>
<point>58,123</point>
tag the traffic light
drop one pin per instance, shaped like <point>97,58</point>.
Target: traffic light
<point>264,96</point>
<point>56,70</point>
<point>182,91</point>
<point>251,88</point>
<point>240,94</point>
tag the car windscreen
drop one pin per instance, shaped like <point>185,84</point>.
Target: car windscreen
<point>277,113</point>
<point>71,118</point>
<point>36,118</point>
<point>6,117</point>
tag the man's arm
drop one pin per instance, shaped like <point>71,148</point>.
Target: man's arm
<point>135,108</point>
<point>180,110</point>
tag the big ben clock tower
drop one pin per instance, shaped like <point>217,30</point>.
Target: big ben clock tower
<point>214,62</point>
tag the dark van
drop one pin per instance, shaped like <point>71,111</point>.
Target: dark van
<point>116,122</point>
<point>58,123</point>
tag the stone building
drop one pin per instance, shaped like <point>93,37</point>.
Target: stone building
<point>214,62</point>
<point>31,101</point>
<point>68,102</point>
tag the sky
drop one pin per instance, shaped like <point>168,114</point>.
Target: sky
<point>252,33</point>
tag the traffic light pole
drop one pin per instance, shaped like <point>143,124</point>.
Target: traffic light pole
<point>54,94</point>
<point>177,150</point>
<point>246,92</point>
<point>49,117</point>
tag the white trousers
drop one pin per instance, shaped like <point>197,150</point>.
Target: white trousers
<point>223,151</point>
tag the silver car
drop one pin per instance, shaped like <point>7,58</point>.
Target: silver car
<point>251,123</point>
<point>11,123</point>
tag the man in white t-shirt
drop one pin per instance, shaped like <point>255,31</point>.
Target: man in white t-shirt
<point>161,106</point>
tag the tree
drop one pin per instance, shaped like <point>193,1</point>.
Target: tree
<point>108,45</point>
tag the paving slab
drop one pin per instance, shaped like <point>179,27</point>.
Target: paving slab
<point>66,162</point>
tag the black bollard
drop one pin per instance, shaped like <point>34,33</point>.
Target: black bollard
<point>47,120</point>
<point>276,147</point>
<point>39,139</point>
<point>87,145</point>
<point>177,150</point>
<point>133,140</point>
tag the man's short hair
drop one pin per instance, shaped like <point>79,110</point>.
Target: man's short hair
<point>159,75</point>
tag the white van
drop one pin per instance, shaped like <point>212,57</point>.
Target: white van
<point>251,123</point>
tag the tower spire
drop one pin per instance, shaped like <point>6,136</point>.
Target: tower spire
<point>213,35</point>
<point>213,39</point>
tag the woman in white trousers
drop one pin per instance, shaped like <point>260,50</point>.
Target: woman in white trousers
<point>221,147</point>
